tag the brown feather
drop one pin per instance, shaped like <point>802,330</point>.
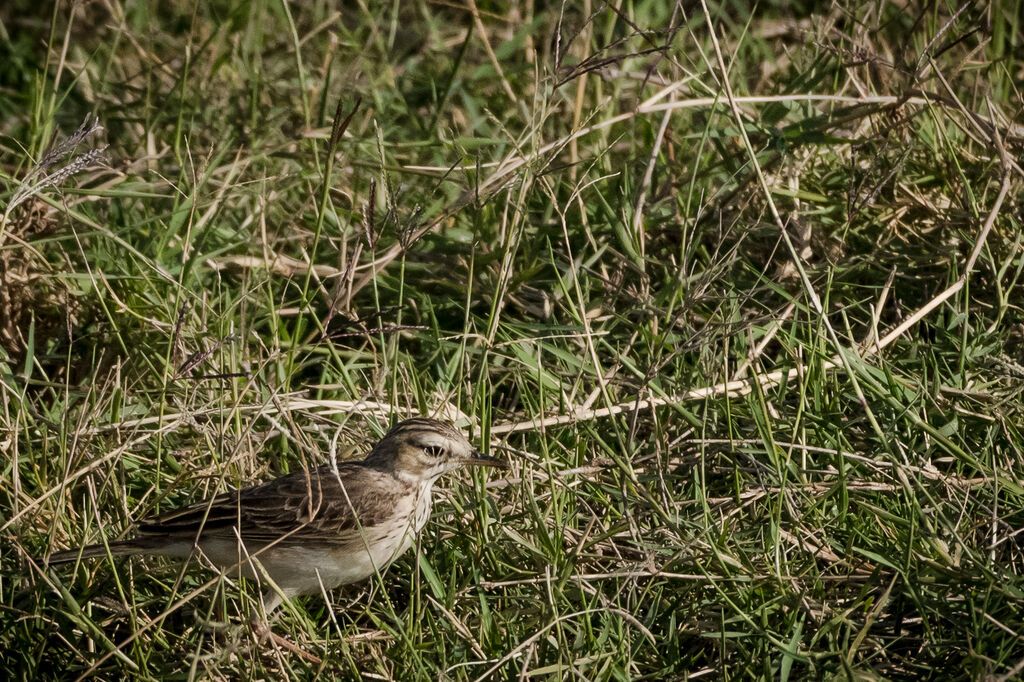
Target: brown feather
<point>290,510</point>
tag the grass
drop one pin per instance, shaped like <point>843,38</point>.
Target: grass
<point>734,289</point>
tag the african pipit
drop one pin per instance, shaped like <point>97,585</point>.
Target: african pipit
<point>316,527</point>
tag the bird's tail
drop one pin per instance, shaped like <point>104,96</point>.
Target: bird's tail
<point>125,548</point>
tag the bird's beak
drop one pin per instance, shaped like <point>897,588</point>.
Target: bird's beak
<point>482,460</point>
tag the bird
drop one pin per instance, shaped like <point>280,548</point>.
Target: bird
<point>313,529</point>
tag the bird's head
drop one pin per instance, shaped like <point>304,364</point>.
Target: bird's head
<point>422,449</point>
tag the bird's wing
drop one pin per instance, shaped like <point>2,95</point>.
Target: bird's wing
<point>307,505</point>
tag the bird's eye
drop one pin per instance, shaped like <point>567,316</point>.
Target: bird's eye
<point>435,451</point>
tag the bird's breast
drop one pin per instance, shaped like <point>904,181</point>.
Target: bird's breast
<point>422,505</point>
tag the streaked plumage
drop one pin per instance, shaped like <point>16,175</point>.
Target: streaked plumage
<point>313,527</point>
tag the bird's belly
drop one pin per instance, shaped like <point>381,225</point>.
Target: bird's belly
<point>302,569</point>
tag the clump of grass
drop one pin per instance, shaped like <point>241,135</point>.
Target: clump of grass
<point>33,301</point>
<point>734,291</point>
